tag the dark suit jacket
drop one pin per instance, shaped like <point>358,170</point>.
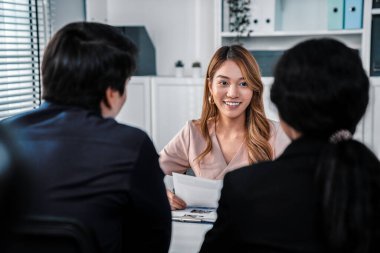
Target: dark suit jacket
<point>98,171</point>
<point>270,206</point>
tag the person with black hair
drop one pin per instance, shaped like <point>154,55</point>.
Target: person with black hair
<point>89,167</point>
<point>323,193</point>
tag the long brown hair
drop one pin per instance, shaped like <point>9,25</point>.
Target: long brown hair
<point>257,125</point>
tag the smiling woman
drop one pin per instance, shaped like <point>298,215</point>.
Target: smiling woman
<point>233,130</point>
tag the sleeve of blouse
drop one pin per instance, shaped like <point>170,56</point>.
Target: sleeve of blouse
<point>174,157</point>
<point>280,140</point>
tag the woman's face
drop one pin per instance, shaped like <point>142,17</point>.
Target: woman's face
<point>230,91</point>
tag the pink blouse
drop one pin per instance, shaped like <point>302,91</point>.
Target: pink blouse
<point>180,153</point>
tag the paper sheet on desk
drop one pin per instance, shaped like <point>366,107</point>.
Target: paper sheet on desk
<point>197,191</point>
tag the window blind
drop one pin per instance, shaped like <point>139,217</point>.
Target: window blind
<point>24,30</point>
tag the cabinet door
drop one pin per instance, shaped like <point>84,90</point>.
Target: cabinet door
<point>174,101</point>
<point>136,110</point>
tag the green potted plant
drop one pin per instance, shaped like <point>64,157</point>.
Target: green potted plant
<point>239,17</point>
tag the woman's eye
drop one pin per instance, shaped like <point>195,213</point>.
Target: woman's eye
<point>244,84</point>
<point>223,83</point>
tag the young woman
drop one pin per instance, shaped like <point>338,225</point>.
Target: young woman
<point>233,130</point>
<point>323,193</point>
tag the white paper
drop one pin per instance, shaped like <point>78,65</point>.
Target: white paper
<point>197,191</point>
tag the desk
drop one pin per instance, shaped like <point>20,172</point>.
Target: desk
<point>187,237</point>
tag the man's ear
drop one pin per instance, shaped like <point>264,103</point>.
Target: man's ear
<point>108,105</point>
<point>108,97</point>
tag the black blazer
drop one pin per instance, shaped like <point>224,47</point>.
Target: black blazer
<point>98,171</point>
<point>270,206</point>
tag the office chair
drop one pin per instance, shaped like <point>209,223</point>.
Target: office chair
<point>51,235</point>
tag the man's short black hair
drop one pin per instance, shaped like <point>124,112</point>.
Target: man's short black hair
<point>82,60</point>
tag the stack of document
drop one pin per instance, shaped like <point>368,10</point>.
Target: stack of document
<point>200,194</point>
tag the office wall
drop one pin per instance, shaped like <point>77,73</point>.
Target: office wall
<point>64,12</point>
<point>179,29</point>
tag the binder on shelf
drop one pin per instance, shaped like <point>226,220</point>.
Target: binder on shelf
<point>268,15</point>
<point>335,10</point>
<point>256,16</point>
<point>225,17</point>
<point>375,49</point>
<point>265,16</point>
<point>353,14</point>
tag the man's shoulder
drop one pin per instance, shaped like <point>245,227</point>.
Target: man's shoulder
<point>18,118</point>
<point>127,131</point>
<point>74,122</point>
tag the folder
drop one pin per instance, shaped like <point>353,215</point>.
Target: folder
<point>335,10</point>
<point>265,15</point>
<point>256,16</point>
<point>353,14</point>
<point>268,15</point>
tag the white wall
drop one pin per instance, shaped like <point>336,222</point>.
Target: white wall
<point>96,11</point>
<point>179,29</point>
<point>65,12</point>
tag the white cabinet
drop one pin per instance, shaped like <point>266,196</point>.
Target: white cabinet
<point>137,109</point>
<point>174,101</point>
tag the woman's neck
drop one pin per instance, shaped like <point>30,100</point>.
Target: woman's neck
<point>230,128</point>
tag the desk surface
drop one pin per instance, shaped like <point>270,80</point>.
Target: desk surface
<point>187,237</point>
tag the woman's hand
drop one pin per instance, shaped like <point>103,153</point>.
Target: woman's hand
<point>175,202</point>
